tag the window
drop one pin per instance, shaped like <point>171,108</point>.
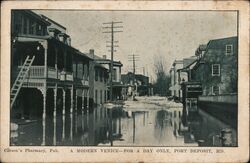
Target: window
<point>96,74</point>
<point>100,96</point>
<point>25,26</point>
<point>101,76</point>
<point>215,69</point>
<point>105,96</point>
<point>96,96</point>
<point>216,90</point>
<point>229,49</point>
<point>114,75</point>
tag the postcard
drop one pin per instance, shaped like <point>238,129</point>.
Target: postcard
<point>124,81</point>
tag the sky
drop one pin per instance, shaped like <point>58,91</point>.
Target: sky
<point>151,35</point>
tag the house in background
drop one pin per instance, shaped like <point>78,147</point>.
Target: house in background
<point>138,82</point>
<point>212,79</point>
<point>98,81</point>
<point>117,86</point>
<point>216,67</point>
<point>177,76</point>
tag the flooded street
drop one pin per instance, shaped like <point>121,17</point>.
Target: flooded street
<point>137,123</point>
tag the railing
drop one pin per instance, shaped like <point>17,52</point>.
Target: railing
<point>69,76</point>
<point>52,73</point>
<point>38,72</point>
<point>34,72</point>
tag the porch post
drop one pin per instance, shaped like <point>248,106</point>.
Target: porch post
<point>71,114</point>
<point>45,46</point>
<point>56,53</point>
<point>44,92</point>
<point>87,91</point>
<point>54,114</point>
<point>76,109</point>
<point>63,114</point>
<point>83,92</point>
<point>87,98</point>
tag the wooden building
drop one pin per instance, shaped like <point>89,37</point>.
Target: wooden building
<point>49,78</point>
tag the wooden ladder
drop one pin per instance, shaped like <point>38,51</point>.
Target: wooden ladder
<point>20,79</point>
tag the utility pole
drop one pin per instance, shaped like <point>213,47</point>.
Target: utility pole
<point>133,58</point>
<point>111,26</point>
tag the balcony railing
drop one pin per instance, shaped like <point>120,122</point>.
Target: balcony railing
<point>37,72</point>
<point>34,72</point>
<point>52,73</point>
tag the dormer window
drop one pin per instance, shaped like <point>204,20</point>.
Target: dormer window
<point>229,49</point>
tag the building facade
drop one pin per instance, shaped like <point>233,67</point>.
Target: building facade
<point>48,70</point>
<point>98,81</point>
<point>117,86</point>
<point>216,68</point>
<point>138,82</point>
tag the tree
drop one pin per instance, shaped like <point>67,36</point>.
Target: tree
<point>161,86</point>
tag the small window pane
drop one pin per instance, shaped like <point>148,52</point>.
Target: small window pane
<point>229,49</point>
<point>215,70</point>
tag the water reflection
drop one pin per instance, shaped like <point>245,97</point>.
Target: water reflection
<point>124,127</point>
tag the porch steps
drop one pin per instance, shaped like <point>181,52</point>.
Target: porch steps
<point>20,79</point>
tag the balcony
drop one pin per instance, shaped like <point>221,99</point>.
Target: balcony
<point>37,72</point>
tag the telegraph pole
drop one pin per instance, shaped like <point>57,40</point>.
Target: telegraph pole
<point>133,58</point>
<point>111,26</point>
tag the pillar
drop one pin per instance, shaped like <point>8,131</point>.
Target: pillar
<point>44,92</point>
<point>83,92</point>
<point>76,112</point>
<point>56,54</point>
<point>54,115</point>
<point>63,114</point>
<point>45,46</point>
<point>87,92</point>
<point>71,113</point>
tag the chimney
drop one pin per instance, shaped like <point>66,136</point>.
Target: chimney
<point>92,53</point>
<point>104,57</point>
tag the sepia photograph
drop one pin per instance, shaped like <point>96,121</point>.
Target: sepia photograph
<point>123,78</point>
<point>124,81</point>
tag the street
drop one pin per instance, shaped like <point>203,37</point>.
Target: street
<point>148,121</point>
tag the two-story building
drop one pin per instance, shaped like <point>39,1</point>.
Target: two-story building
<point>45,71</point>
<point>212,79</point>
<point>98,81</point>
<point>216,68</point>
<point>138,82</point>
<point>117,86</point>
<point>177,76</point>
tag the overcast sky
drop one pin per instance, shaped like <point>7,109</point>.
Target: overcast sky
<point>149,34</point>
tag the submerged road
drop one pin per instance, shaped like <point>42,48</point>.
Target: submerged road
<point>149,121</point>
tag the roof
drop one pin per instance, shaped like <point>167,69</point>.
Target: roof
<point>188,66</point>
<point>99,65</point>
<point>50,20</point>
<point>101,60</point>
<point>225,38</point>
<point>38,17</point>
<point>108,61</point>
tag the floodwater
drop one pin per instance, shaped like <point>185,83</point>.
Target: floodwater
<point>125,127</point>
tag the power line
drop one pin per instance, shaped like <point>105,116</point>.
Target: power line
<point>109,28</point>
<point>133,58</point>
